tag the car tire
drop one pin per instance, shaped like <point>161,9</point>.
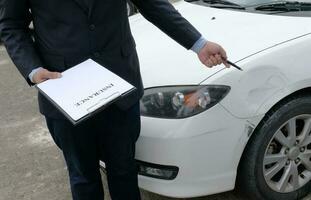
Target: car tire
<point>256,166</point>
<point>131,9</point>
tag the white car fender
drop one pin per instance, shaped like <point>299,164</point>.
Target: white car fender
<point>267,78</point>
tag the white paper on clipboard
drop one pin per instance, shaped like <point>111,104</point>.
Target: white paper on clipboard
<point>83,89</point>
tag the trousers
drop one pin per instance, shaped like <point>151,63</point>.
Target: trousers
<point>109,136</point>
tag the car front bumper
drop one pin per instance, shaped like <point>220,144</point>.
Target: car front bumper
<point>206,148</point>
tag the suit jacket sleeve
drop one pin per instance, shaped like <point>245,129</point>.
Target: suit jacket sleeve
<point>162,14</point>
<point>15,34</point>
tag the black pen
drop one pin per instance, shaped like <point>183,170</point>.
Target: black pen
<point>234,65</point>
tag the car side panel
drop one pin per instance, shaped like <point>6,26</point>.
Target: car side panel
<point>267,78</point>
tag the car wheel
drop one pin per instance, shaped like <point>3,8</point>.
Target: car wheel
<point>276,164</point>
<point>131,10</point>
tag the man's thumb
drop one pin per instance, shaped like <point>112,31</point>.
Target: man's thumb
<point>52,75</point>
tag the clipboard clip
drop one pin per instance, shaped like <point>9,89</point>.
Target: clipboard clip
<point>103,101</point>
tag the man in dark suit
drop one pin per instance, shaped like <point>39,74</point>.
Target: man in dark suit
<point>67,32</point>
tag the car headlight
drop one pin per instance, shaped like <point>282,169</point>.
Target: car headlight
<point>182,101</point>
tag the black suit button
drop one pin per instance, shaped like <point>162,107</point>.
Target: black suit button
<point>92,27</point>
<point>96,55</point>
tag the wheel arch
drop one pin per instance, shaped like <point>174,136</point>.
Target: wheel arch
<point>296,94</point>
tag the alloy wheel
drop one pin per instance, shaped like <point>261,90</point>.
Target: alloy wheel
<point>287,160</point>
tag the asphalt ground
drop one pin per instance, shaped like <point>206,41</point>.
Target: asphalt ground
<point>31,166</point>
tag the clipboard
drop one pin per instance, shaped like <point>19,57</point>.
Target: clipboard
<point>78,97</point>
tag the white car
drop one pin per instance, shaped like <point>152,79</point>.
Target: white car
<point>207,131</point>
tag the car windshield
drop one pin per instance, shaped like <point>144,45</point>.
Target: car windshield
<point>279,7</point>
<point>247,3</point>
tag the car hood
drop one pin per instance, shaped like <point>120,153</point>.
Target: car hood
<point>242,34</point>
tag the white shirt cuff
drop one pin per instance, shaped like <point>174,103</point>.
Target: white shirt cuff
<point>199,44</point>
<point>32,73</point>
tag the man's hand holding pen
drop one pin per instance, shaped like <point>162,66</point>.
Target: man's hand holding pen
<point>213,54</point>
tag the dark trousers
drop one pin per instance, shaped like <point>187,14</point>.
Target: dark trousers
<point>109,136</point>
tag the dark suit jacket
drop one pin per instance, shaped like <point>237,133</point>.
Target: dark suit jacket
<point>68,32</point>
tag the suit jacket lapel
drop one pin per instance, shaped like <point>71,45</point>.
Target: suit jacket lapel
<point>82,5</point>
